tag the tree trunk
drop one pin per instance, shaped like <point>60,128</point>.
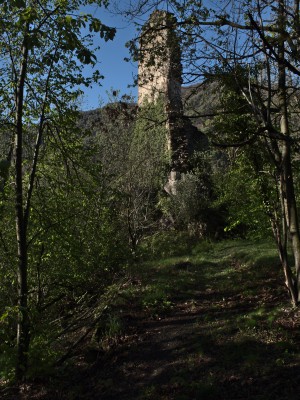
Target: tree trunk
<point>290,210</point>
<point>286,173</point>
<point>280,236</point>
<point>23,329</point>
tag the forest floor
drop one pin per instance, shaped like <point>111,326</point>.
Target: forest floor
<point>216,324</point>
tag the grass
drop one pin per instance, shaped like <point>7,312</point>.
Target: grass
<point>211,321</point>
<point>243,336</point>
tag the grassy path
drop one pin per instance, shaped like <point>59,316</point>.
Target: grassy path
<point>215,325</point>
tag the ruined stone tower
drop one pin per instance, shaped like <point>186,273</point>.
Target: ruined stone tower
<point>159,76</point>
<point>160,69</point>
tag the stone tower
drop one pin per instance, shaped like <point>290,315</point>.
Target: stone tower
<point>159,76</point>
<point>159,72</point>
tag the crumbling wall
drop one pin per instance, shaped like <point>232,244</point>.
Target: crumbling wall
<point>160,69</point>
<point>160,76</point>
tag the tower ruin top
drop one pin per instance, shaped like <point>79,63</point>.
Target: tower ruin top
<point>159,72</point>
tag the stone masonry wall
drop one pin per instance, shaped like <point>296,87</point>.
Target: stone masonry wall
<point>159,72</point>
<point>159,75</point>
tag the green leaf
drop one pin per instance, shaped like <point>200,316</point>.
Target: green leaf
<point>86,56</point>
<point>68,19</point>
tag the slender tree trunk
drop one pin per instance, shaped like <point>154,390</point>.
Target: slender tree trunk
<point>287,183</point>
<point>23,328</point>
<point>280,235</point>
<point>290,209</point>
<point>279,224</point>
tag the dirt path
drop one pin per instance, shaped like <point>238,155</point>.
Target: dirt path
<point>226,338</point>
<point>213,344</point>
<point>151,362</point>
<point>202,349</point>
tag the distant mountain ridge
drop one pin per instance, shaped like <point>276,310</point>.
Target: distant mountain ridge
<point>200,101</point>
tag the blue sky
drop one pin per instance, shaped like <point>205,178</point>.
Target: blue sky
<point>118,74</point>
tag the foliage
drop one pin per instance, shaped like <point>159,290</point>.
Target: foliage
<point>146,171</point>
<point>246,182</point>
<point>77,246</point>
<point>130,144</point>
<point>149,153</point>
<point>239,192</point>
<point>155,301</point>
<point>109,133</point>
<point>43,53</point>
<point>191,208</point>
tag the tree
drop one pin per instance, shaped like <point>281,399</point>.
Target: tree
<point>148,163</point>
<point>132,149</point>
<point>246,182</point>
<point>43,52</point>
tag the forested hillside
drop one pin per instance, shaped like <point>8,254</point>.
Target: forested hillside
<point>111,285</point>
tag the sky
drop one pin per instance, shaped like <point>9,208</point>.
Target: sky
<point>118,74</point>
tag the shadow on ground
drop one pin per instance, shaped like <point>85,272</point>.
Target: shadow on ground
<point>230,334</point>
